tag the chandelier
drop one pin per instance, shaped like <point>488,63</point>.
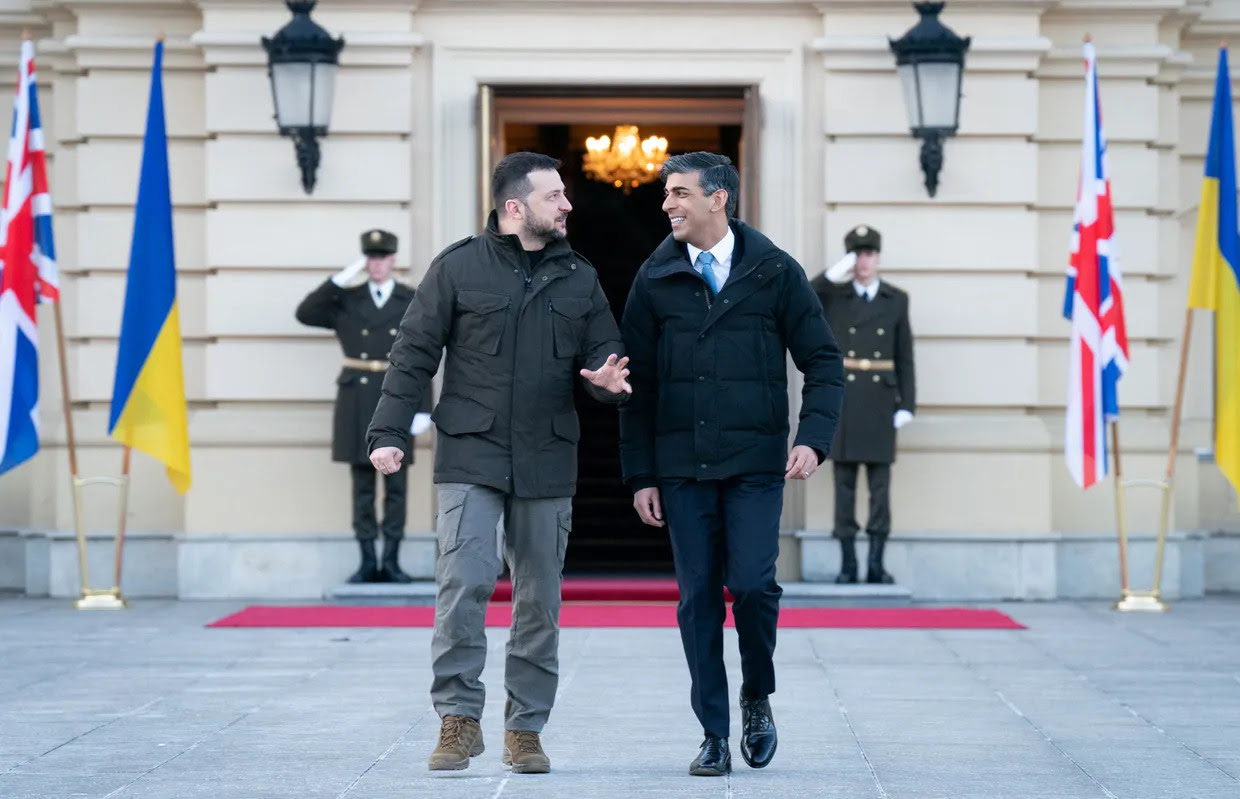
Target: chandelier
<point>627,161</point>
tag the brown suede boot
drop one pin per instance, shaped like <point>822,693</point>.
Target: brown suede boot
<point>523,751</point>
<point>460,738</point>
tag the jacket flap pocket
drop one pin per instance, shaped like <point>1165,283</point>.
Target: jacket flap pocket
<point>481,301</point>
<point>458,416</point>
<point>567,426</point>
<point>572,307</point>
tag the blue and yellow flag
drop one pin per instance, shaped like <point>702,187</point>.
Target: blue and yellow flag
<point>148,399</point>
<point>1215,283</point>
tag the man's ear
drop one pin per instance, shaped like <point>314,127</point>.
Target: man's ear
<point>513,207</point>
<point>719,200</point>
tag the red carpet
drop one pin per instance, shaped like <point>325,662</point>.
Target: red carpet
<point>606,589</point>
<point>620,615</point>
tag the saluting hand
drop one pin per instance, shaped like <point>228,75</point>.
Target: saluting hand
<point>611,375</point>
<point>802,462</point>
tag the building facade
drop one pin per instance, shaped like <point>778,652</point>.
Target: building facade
<point>983,506</point>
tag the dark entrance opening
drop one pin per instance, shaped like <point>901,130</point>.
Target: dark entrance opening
<point>616,230</point>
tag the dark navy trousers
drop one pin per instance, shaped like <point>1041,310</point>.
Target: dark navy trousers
<point>725,533</point>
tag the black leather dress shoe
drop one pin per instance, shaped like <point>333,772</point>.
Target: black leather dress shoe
<point>714,760</point>
<point>758,738</point>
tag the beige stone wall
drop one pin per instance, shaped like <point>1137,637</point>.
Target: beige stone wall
<point>984,260</point>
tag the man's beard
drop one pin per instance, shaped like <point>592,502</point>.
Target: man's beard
<point>544,232</point>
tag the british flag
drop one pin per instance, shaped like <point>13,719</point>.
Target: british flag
<point>1094,302</point>
<point>28,273</point>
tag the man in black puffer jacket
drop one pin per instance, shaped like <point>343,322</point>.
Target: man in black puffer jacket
<point>708,325</point>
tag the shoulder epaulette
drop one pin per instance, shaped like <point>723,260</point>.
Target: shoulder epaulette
<point>456,245</point>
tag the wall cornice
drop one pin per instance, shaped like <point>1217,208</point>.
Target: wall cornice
<point>361,48</point>
<point>986,54</point>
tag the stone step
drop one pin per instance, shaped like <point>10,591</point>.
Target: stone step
<point>796,595</point>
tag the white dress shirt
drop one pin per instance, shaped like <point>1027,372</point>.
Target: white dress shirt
<point>381,292</point>
<point>723,257</point>
<point>867,291</point>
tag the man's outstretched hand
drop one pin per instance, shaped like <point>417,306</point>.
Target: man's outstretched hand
<point>611,375</point>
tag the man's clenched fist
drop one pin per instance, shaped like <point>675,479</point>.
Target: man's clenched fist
<point>387,459</point>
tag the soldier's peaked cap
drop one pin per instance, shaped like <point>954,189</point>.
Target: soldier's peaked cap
<point>378,242</point>
<point>863,237</point>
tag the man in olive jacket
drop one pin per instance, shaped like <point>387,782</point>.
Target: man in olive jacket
<point>521,315</point>
<point>709,323</point>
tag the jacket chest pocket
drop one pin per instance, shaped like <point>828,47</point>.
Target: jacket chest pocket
<point>480,320</point>
<point>568,323</point>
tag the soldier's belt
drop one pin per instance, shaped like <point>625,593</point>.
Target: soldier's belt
<point>365,366</point>
<point>867,365</point>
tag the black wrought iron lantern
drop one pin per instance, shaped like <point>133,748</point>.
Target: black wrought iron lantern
<point>930,63</point>
<point>302,60</point>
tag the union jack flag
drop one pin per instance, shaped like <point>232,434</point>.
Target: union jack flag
<point>1094,302</point>
<point>28,273</point>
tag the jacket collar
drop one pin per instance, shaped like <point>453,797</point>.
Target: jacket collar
<point>510,243</point>
<point>751,249</point>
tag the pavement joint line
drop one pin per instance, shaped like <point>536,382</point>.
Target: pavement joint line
<point>839,704</point>
<point>250,712</point>
<point>1101,689</point>
<point>980,677</point>
<point>1011,706</point>
<point>185,751</point>
<point>399,740</point>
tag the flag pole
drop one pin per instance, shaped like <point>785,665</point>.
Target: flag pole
<point>1120,518</point>
<point>66,401</point>
<point>122,504</point>
<point>1176,412</point>
<point>71,445</point>
<point>1151,600</point>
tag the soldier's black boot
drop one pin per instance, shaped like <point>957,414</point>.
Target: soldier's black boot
<point>368,572</point>
<point>875,573</point>
<point>848,560</point>
<point>391,562</point>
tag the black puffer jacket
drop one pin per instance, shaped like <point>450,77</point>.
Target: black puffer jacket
<point>709,377</point>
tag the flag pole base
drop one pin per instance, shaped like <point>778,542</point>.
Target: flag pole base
<point>1150,601</point>
<point>101,600</point>
<point>1142,603</point>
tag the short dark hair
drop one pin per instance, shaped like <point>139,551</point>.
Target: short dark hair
<point>716,172</point>
<point>511,178</point>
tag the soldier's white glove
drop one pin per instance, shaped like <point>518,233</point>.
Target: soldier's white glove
<point>346,276</point>
<point>421,423</point>
<point>902,418</point>
<point>842,270</point>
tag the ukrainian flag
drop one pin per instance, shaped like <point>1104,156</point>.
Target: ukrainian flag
<point>148,400</point>
<point>1215,282</point>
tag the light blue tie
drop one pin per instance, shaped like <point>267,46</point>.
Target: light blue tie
<point>705,259</point>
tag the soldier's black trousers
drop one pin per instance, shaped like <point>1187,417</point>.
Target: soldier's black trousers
<point>878,478</point>
<point>725,533</point>
<point>365,526</point>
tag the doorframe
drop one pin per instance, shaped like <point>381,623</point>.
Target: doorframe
<point>502,104</point>
<point>457,73</point>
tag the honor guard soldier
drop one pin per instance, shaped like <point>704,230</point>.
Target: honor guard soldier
<point>870,320</point>
<point>365,319</point>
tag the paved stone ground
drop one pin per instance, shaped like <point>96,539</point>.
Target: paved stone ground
<point>147,704</point>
